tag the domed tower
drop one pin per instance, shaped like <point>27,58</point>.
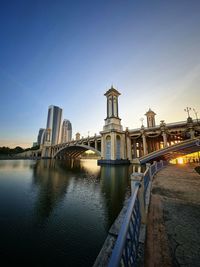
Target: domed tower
<point>114,142</point>
<point>150,118</point>
<point>112,121</point>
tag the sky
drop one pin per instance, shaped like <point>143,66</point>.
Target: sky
<point>69,53</point>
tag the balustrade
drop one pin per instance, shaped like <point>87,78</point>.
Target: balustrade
<point>126,246</point>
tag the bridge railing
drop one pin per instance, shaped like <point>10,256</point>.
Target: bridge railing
<point>125,250</point>
<point>126,247</point>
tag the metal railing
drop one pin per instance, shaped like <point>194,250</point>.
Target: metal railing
<point>126,247</point>
<point>147,177</point>
<point>125,250</point>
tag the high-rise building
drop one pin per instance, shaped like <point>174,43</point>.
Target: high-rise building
<point>54,124</point>
<point>66,131</point>
<point>41,136</point>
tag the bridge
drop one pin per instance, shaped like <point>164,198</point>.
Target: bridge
<point>117,146</point>
<point>172,152</point>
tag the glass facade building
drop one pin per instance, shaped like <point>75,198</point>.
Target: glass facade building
<point>41,136</point>
<point>54,123</point>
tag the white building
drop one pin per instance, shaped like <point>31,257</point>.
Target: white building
<point>66,135</point>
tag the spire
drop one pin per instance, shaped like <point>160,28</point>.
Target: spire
<point>112,91</point>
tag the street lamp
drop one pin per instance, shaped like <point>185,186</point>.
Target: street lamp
<point>187,109</point>
<point>195,112</point>
<point>142,119</point>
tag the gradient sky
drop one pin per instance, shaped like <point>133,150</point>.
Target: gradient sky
<point>68,53</point>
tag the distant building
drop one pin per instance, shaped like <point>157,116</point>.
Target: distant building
<point>41,136</point>
<point>66,131</point>
<point>54,124</point>
<point>78,136</point>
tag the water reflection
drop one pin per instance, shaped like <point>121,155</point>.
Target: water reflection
<point>53,178</point>
<point>115,185</point>
<point>56,208</point>
<point>52,183</point>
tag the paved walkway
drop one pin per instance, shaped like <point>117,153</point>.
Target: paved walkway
<point>173,231</point>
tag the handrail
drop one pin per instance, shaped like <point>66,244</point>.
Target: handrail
<point>125,249</point>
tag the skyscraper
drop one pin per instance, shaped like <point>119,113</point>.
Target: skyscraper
<point>66,131</point>
<point>54,123</point>
<point>41,136</point>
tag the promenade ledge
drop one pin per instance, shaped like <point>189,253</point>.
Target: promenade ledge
<point>173,233</point>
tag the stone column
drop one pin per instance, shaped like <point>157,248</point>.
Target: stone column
<point>95,144</point>
<point>163,129</point>
<point>102,147</point>
<point>113,154</point>
<point>140,149</point>
<point>134,149</point>
<point>164,139</point>
<point>144,144</point>
<point>122,146</point>
<point>129,154</point>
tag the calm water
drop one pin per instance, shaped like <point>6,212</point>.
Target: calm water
<point>55,213</point>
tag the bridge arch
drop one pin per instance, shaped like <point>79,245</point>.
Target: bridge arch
<point>74,151</point>
<point>173,151</point>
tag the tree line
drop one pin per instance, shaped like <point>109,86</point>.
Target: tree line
<point>10,151</point>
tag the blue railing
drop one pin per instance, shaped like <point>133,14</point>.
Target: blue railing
<point>153,168</point>
<point>126,246</point>
<point>147,177</point>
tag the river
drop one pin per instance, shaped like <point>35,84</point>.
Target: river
<point>57,213</point>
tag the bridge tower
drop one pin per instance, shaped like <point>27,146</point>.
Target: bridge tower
<point>115,143</point>
<point>150,118</point>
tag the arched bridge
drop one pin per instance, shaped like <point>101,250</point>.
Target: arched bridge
<point>118,146</point>
<point>74,149</point>
<point>173,151</point>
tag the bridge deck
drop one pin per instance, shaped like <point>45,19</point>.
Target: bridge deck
<point>174,218</point>
<point>174,151</point>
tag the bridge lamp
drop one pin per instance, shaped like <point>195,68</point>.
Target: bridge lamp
<point>187,109</point>
<point>195,112</point>
<point>142,119</point>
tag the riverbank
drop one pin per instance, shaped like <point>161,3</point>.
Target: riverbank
<point>174,218</point>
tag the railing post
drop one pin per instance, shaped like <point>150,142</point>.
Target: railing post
<point>135,179</point>
<point>148,166</point>
<point>156,166</point>
<point>161,161</point>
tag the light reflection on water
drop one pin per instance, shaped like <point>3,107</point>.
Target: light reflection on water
<point>55,213</point>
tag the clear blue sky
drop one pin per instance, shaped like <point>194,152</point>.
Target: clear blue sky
<point>68,53</point>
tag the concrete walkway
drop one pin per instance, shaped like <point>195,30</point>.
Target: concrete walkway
<point>173,230</point>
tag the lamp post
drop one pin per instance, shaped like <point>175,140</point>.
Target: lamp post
<point>142,119</point>
<point>187,109</point>
<point>195,112</point>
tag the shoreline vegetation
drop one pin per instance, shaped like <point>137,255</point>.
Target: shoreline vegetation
<point>11,153</point>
